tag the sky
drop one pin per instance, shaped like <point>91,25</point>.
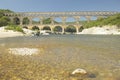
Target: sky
<point>60,5</point>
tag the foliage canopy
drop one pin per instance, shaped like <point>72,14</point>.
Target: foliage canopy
<point>3,19</point>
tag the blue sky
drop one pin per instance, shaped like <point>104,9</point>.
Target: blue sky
<point>60,5</point>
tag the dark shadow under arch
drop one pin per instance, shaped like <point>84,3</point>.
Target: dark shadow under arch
<point>16,21</point>
<point>46,28</point>
<point>81,29</point>
<point>35,28</point>
<point>58,29</point>
<point>26,20</point>
<point>25,27</point>
<point>70,29</point>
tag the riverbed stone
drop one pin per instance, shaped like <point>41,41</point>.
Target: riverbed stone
<point>79,71</point>
<point>23,51</point>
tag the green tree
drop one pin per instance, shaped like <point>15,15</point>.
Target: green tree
<point>3,19</point>
<point>26,20</point>
<point>47,21</point>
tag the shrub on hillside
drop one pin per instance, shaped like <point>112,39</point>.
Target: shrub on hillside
<point>14,28</point>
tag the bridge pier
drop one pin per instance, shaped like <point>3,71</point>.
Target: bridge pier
<point>77,30</point>
<point>52,29</point>
<point>21,20</point>
<point>52,20</point>
<point>88,18</point>
<point>63,20</point>
<point>63,30</point>
<point>77,19</point>
<point>41,20</point>
<point>30,20</point>
<point>11,19</point>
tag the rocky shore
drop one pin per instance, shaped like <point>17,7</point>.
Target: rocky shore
<point>105,30</point>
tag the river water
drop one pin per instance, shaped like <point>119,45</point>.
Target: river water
<point>99,55</point>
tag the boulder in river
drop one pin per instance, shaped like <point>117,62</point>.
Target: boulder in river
<point>79,71</point>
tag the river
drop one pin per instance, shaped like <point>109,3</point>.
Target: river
<point>99,55</point>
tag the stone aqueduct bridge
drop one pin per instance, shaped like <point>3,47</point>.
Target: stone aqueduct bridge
<point>62,15</point>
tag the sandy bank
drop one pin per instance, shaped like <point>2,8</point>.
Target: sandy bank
<point>8,33</point>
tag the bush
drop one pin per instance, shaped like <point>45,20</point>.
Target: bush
<point>14,28</point>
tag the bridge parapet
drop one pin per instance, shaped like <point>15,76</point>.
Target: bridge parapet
<point>62,14</point>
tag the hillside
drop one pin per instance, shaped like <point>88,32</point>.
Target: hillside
<point>111,20</point>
